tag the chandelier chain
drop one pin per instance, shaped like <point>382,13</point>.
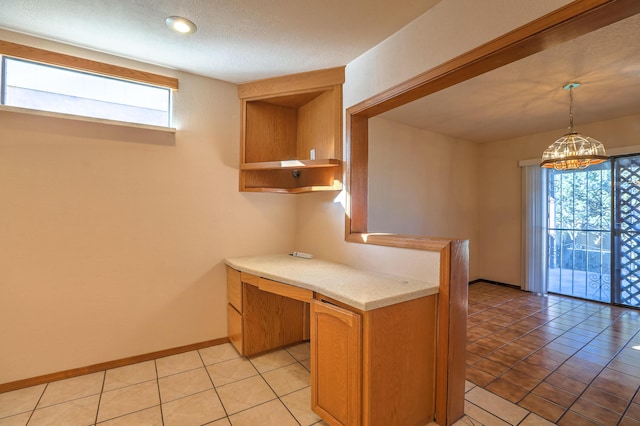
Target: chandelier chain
<point>571,128</point>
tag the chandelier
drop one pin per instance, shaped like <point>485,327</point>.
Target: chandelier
<point>573,150</point>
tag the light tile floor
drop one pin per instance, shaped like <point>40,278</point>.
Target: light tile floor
<point>212,386</point>
<point>215,386</point>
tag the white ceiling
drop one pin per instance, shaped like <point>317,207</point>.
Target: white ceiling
<point>236,40</point>
<point>245,40</point>
<point>526,97</point>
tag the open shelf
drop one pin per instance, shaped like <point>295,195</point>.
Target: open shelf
<point>291,164</point>
<point>285,122</point>
<point>298,190</point>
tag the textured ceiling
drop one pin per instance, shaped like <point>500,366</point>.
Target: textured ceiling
<point>526,97</point>
<point>244,40</point>
<point>236,41</point>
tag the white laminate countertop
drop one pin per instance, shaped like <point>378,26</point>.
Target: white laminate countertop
<point>364,290</point>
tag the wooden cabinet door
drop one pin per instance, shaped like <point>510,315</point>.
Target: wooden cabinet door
<point>336,364</point>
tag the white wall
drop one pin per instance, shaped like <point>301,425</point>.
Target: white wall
<point>447,30</point>
<point>413,188</point>
<point>112,240</point>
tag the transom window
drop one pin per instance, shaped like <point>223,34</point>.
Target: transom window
<point>38,86</point>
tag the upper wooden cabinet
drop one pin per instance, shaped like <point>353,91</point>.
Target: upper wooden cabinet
<point>291,134</point>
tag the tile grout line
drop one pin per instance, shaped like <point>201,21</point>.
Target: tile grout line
<point>155,366</point>
<point>104,379</point>
<point>38,402</point>
<point>637,392</point>
<point>296,362</point>
<point>280,398</point>
<point>226,414</point>
<point>273,390</point>
<point>497,416</point>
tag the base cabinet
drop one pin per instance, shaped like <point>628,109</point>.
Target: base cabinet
<point>373,367</point>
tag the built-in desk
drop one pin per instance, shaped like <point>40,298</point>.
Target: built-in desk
<point>374,337</point>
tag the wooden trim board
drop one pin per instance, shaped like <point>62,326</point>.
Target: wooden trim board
<point>46,378</point>
<point>67,61</point>
<point>452,332</point>
<point>292,83</point>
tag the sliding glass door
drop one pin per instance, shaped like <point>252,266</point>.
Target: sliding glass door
<point>593,235</point>
<point>579,232</point>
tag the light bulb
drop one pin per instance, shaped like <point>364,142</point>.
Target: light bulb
<point>181,25</point>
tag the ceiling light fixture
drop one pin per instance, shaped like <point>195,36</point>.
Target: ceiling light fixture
<point>573,151</point>
<point>181,25</point>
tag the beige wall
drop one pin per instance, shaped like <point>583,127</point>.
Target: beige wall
<point>413,188</point>
<point>112,239</point>
<point>500,210</point>
<point>445,31</point>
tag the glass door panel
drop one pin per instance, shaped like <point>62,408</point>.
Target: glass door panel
<point>579,232</point>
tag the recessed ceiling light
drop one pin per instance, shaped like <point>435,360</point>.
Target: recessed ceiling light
<point>181,25</point>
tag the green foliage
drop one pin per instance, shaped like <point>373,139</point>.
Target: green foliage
<point>581,200</point>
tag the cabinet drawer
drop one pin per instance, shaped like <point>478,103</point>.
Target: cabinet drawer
<point>285,290</point>
<point>249,278</point>
<point>234,328</point>
<point>234,288</point>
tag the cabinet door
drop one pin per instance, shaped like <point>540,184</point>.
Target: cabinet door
<point>336,363</point>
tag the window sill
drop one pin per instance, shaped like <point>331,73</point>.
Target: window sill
<point>86,119</point>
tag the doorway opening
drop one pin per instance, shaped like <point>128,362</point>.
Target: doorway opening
<point>593,234</point>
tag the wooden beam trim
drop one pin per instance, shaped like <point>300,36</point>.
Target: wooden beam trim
<point>25,383</point>
<point>565,23</point>
<point>73,62</point>
<point>292,83</point>
<point>451,337</point>
<point>458,307</point>
<point>559,26</point>
<point>358,171</point>
<point>403,241</point>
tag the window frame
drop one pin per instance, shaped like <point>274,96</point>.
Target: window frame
<point>74,63</point>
